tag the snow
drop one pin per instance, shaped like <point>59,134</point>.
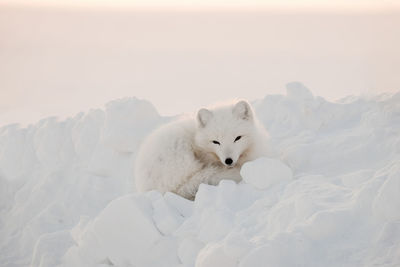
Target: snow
<point>263,173</point>
<point>327,195</point>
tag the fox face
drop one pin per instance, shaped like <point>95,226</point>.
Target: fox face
<point>226,132</point>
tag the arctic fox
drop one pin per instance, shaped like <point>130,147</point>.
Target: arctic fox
<point>181,155</point>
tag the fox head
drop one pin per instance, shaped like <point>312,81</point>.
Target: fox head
<point>226,132</point>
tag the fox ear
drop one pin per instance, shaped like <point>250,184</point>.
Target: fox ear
<point>243,110</point>
<point>203,117</point>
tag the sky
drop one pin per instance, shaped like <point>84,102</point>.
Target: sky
<point>57,61</point>
<point>352,4</point>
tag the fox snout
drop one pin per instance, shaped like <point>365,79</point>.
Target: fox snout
<point>229,162</point>
<point>227,157</point>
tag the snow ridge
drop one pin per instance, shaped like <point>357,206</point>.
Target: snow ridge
<point>328,196</point>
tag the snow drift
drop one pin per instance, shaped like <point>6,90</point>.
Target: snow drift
<point>328,196</point>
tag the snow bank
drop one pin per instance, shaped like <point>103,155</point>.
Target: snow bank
<point>54,173</point>
<point>328,197</point>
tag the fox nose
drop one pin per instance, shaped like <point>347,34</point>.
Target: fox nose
<point>228,161</point>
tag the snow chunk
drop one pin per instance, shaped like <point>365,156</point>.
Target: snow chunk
<point>123,232</point>
<point>263,173</point>
<point>166,217</point>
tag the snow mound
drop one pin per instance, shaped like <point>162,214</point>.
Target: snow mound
<point>263,173</point>
<point>329,196</point>
<point>307,222</point>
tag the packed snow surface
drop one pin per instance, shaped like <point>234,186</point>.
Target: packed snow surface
<point>328,194</point>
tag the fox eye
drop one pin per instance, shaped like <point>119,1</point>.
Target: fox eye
<point>238,138</point>
<point>216,142</point>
